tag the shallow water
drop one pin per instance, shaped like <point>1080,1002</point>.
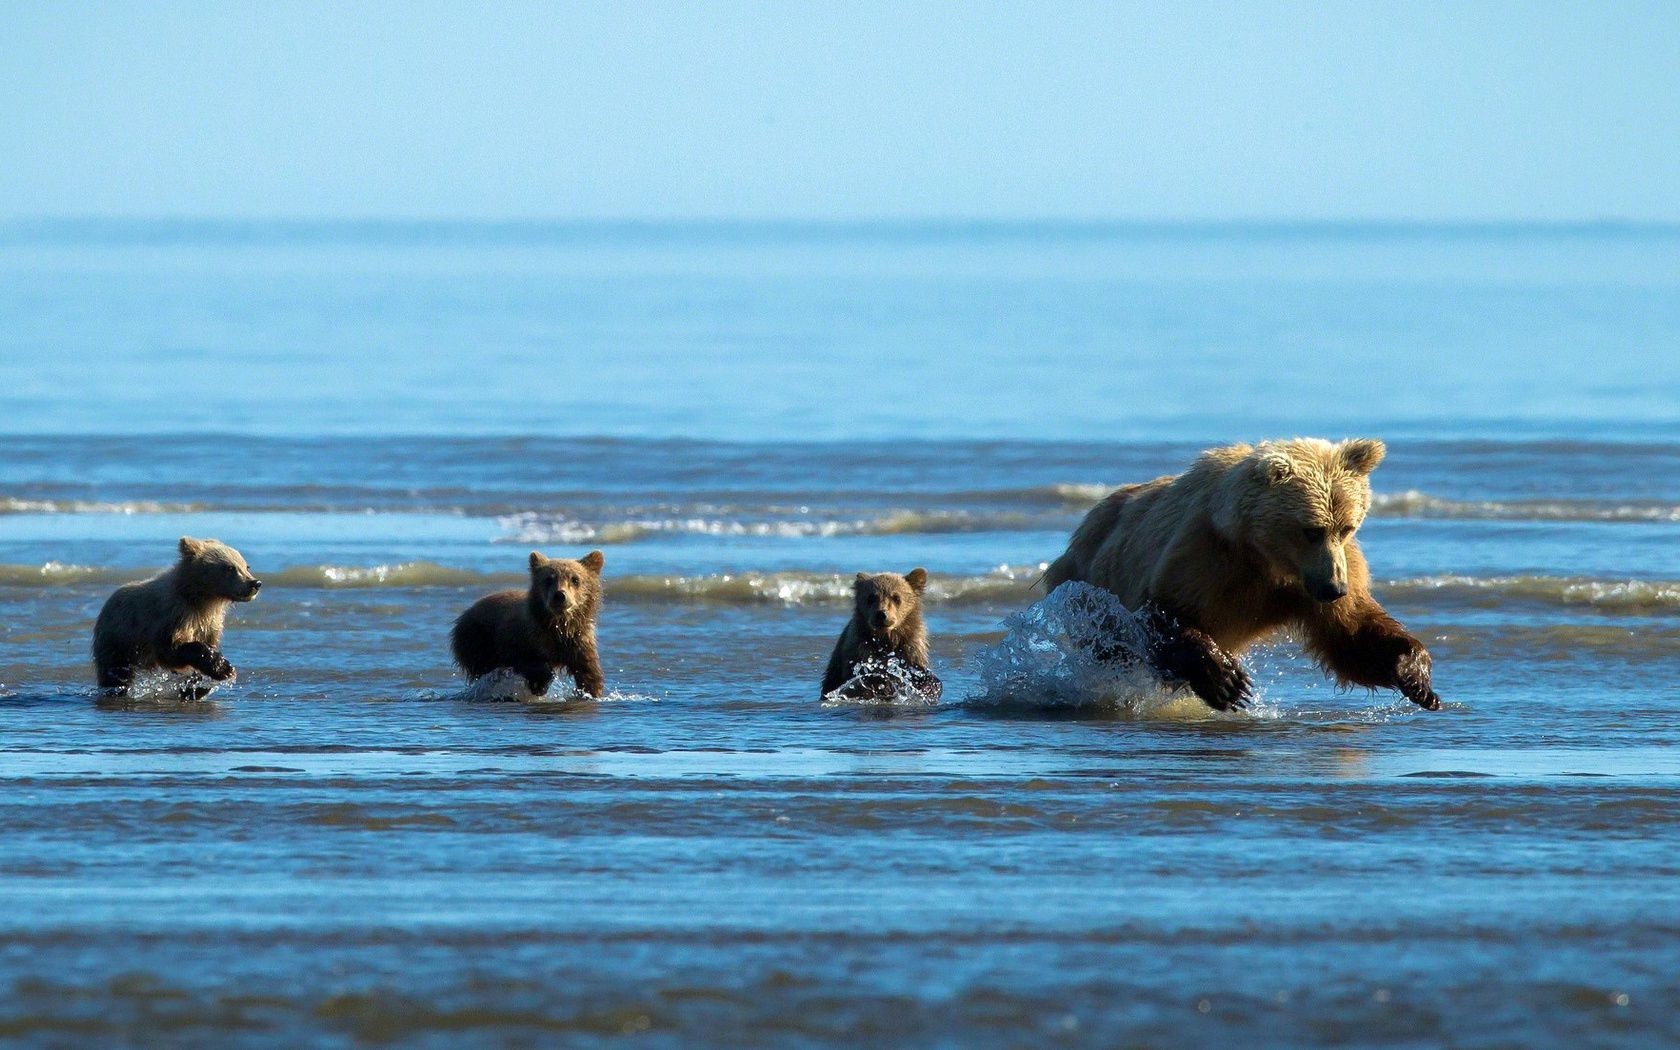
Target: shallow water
<point>343,847</point>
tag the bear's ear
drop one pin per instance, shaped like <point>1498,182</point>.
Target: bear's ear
<point>537,560</point>
<point>189,546</point>
<point>859,580</point>
<point>593,561</point>
<point>917,579</point>
<point>1274,466</point>
<point>1361,455</point>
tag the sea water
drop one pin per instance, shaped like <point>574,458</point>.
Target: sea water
<point>348,844</point>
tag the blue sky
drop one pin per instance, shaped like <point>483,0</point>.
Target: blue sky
<point>728,109</point>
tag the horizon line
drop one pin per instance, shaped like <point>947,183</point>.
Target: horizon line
<point>121,232</point>
<point>930,221</point>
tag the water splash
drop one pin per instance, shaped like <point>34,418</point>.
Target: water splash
<point>160,688</point>
<point>506,685</point>
<point>885,682</point>
<point>1078,648</point>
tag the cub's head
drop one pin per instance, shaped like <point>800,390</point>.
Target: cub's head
<point>567,588</point>
<point>885,601</point>
<point>212,569</point>
<point>1298,504</point>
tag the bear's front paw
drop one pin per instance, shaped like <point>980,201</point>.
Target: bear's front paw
<point>1223,683</point>
<point>1412,678</point>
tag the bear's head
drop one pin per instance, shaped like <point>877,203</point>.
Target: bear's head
<point>568,589</point>
<point>211,569</point>
<point>886,601</point>
<point>1297,504</point>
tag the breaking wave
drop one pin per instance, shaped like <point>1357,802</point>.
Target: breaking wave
<point>1006,584</point>
<point>1415,504</point>
<point>15,505</point>
<point>1630,596</point>
<point>1051,506</point>
<point>547,528</point>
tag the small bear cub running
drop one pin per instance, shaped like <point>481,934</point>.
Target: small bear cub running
<point>885,629</point>
<point>533,632</point>
<point>174,620</point>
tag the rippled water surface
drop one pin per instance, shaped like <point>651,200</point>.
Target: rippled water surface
<point>344,846</point>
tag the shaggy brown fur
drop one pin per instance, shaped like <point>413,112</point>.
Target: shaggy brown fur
<point>1248,541</point>
<point>535,631</point>
<point>886,624</point>
<point>173,620</point>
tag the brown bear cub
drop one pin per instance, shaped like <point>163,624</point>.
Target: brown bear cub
<point>886,627</point>
<point>532,632</point>
<point>1249,541</point>
<point>174,620</point>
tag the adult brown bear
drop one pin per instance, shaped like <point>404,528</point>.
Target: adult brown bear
<point>1248,541</point>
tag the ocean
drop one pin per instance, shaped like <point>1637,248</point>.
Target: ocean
<point>347,846</point>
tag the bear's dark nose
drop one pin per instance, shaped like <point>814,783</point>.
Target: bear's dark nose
<point>1329,592</point>
<point>256,585</point>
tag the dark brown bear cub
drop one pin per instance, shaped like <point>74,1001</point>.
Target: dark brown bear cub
<point>534,632</point>
<point>886,628</point>
<point>174,620</point>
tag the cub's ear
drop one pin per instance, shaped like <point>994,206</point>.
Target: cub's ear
<point>917,579</point>
<point>1361,455</point>
<point>593,561</point>
<point>189,546</point>
<point>859,580</point>
<point>537,560</point>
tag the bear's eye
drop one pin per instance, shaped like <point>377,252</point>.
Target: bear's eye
<point>1314,535</point>
<point>894,599</point>
<point>1347,530</point>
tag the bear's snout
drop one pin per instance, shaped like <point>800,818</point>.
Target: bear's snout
<point>1331,591</point>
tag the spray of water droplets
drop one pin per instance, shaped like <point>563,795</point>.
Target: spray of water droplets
<point>1077,648</point>
<point>886,682</point>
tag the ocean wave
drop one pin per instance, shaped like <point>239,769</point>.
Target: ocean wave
<point>793,587</point>
<point>17,505</point>
<point>1415,504</point>
<point>1631,596</point>
<point>1006,583</point>
<point>538,528</point>
<point>1051,506</point>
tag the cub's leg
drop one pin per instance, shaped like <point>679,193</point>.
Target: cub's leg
<point>203,659</point>
<point>586,672</point>
<point>114,671</point>
<point>538,677</point>
<point>195,688</point>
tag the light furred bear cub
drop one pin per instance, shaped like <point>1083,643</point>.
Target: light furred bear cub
<point>551,625</point>
<point>886,626</point>
<point>1249,540</point>
<point>174,620</point>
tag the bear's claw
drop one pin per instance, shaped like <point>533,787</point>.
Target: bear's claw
<point>1412,677</point>
<point>1229,688</point>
